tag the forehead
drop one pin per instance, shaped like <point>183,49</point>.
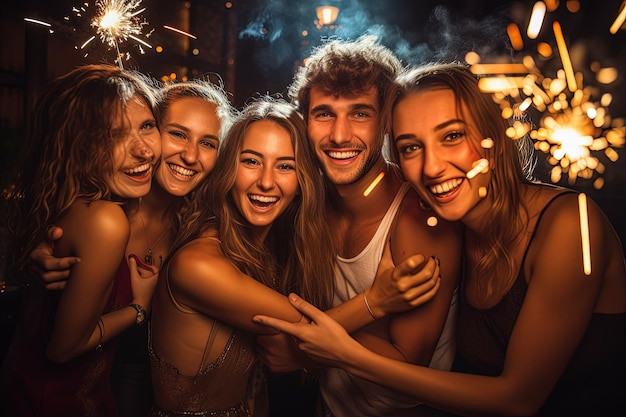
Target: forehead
<point>428,102</point>
<point>320,97</point>
<point>185,106</point>
<point>136,108</point>
<point>267,137</point>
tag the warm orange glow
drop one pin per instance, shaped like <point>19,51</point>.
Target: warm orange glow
<point>515,36</point>
<point>481,166</point>
<point>327,14</point>
<point>182,32</point>
<point>536,20</point>
<point>552,5</point>
<point>499,69</point>
<point>619,20</point>
<point>584,232</point>
<point>373,185</point>
<point>544,49</point>
<point>565,59</point>
<point>573,6</point>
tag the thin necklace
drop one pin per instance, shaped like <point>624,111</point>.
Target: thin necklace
<point>149,259</point>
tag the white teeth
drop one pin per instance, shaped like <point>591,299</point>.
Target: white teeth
<point>263,198</point>
<point>138,169</point>
<point>342,155</point>
<point>181,170</point>
<point>445,187</point>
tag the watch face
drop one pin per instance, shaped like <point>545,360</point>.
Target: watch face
<point>141,313</point>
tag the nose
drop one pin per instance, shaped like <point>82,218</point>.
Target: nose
<point>266,179</point>
<point>190,154</point>
<point>140,148</point>
<point>340,131</point>
<point>434,164</point>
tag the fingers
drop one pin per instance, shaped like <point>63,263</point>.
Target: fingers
<point>141,266</point>
<point>412,267</point>
<point>306,308</point>
<point>54,233</point>
<point>278,324</point>
<point>419,291</point>
<point>426,296</point>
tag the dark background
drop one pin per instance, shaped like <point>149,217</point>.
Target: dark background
<point>255,46</point>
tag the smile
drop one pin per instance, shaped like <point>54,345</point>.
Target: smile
<point>342,155</point>
<point>446,186</point>
<point>139,171</point>
<point>262,200</point>
<point>185,172</point>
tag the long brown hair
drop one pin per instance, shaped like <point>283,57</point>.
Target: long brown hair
<point>68,151</point>
<point>297,254</point>
<point>496,267</point>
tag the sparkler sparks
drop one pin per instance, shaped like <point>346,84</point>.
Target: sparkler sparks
<point>481,166</point>
<point>584,232</point>
<point>373,185</point>
<point>574,123</point>
<point>116,21</point>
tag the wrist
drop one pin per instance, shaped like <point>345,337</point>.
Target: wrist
<point>371,304</point>
<point>141,313</point>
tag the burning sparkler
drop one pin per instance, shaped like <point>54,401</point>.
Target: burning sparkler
<point>116,21</point>
<point>574,118</point>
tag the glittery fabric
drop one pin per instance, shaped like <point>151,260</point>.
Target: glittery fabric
<point>212,390</point>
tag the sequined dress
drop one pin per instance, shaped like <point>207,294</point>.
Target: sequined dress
<point>210,391</point>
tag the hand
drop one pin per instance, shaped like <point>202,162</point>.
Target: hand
<point>401,288</point>
<point>323,339</point>
<point>280,353</point>
<point>52,272</point>
<point>143,280</point>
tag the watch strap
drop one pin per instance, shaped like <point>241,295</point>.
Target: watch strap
<point>141,313</point>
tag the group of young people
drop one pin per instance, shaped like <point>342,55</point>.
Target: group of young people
<point>430,288</point>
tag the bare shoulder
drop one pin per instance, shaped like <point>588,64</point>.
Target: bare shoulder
<point>573,225</point>
<point>417,220</point>
<point>200,260</point>
<point>419,230</point>
<point>99,223</point>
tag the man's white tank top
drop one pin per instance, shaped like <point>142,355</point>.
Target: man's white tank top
<point>346,395</point>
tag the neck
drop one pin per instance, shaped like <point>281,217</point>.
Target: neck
<point>156,203</point>
<point>352,197</point>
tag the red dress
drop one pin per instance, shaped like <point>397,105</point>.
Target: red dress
<point>31,385</point>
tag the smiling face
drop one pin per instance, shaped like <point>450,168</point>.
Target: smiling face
<point>190,140</point>
<point>437,147</point>
<point>266,182</point>
<point>136,149</point>
<point>344,133</point>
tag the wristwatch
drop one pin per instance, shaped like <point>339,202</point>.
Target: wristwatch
<point>141,314</point>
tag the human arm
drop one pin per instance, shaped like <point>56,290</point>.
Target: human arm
<point>201,278</point>
<point>413,336</point>
<point>98,234</point>
<point>411,283</point>
<point>51,271</point>
<point>551,323</point>
<point>396,288</point>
